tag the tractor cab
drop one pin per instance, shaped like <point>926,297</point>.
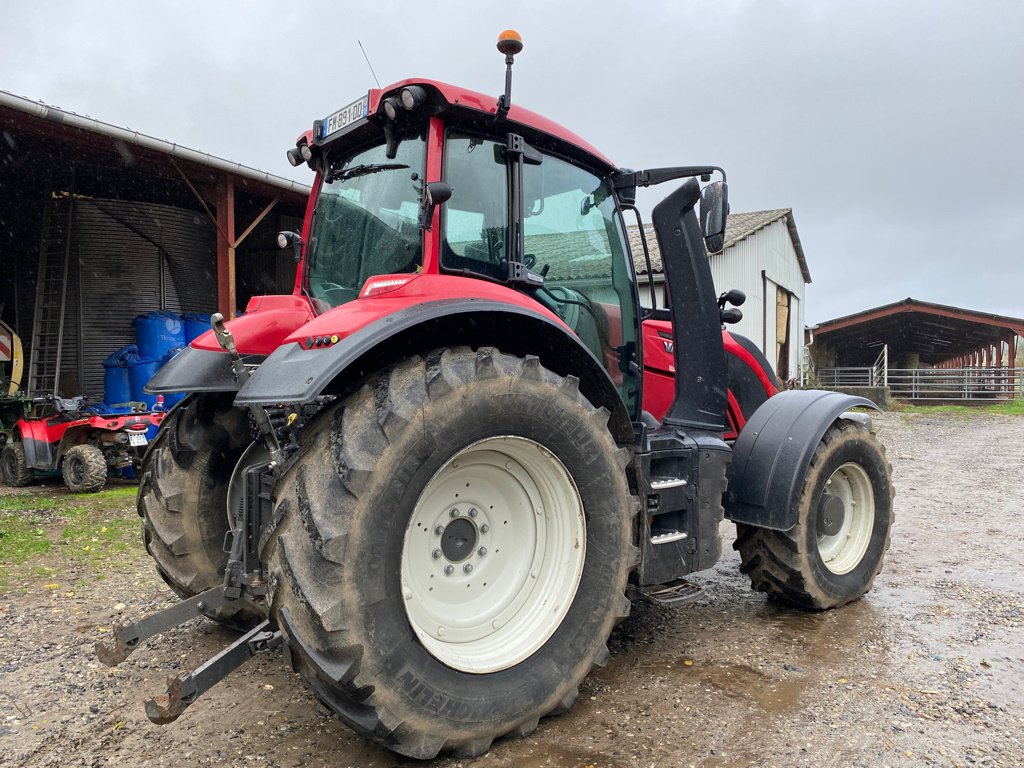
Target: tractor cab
<point>527,206</point>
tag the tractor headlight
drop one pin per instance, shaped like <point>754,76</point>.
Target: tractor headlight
<point>391,107</point>
<point>412,96</point>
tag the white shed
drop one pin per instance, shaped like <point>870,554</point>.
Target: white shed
<point>763,257</point>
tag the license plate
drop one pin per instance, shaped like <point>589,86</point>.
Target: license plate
<point>137,438</point>
<point>345,116</point>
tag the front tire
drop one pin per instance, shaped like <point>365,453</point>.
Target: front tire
<point>183,491</point>
<point>84,469</point>
<point>845,515</point>
<point>393,615</point>
<point>16,473</point>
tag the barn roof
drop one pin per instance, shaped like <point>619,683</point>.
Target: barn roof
<point>739,226</point>
<point>936,332</point>
<point>129,146</point>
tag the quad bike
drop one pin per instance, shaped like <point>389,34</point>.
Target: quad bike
<point>83,442</point>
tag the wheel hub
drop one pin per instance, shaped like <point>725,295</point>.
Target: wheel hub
<point>458,540</point>
<point>845,518</point>
<point>493,554</point>
<point>831,514</point>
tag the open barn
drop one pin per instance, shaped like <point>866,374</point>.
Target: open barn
<point>918,350</point>
<point>100,223</point>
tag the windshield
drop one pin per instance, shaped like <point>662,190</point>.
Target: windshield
<point>366,221</point>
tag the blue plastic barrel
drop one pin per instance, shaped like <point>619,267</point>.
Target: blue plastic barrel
<point>138,375</point>
<point>156,333</point>
<point>116,386</point>
<point>196,324</point>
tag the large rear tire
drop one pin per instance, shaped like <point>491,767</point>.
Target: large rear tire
<point>84,469</point>
<point>834,552</point>
<point>16,473</point>
<point>183,492</point>
<point>450,550</point>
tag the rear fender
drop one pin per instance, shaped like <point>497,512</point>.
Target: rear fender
<point>72,437</point>
<point>773,451</point>
<point>39,451</point>
<point>295,373</point>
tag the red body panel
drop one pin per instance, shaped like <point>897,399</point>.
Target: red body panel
<point>267,322</point>
<point>353,315</point>
<point>659,373</point>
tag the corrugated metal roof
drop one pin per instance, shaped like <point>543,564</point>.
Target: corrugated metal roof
<point>739,226</point>
<point>53,114</point>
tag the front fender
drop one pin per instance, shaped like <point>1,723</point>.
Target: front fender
<point>773,451</point>
<point>297,373</point>
<point>198,370</point>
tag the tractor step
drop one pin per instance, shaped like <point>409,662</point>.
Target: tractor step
<point>671,595</point>
<point>183,689</point>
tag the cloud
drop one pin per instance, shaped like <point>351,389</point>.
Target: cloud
<point>891,129</point>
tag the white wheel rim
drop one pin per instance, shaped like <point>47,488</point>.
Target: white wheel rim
<point>843,551</point>
<point>524,564</point>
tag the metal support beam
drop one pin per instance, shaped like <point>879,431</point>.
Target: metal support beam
<point>226,298</point>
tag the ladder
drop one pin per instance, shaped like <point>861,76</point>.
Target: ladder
<point>51,294</point>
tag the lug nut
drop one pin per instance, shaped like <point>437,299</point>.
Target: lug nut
<point>472,511</point>
<point>482,551</point>
<point>485,528</point>
<point>449,569</point>
<point>467,568</point>
<point>453,512</point>
<point>436,554</point>
<point>438,529</point>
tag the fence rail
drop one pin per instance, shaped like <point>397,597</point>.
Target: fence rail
<point>931,383</point>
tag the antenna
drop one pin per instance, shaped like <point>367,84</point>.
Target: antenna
<point>368,63</point>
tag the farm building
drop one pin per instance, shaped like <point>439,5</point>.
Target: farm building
<point>918,350</point>
<point>764,258</point>
<point>99,224</point>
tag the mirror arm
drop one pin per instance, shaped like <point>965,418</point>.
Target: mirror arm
<point>626,179</point>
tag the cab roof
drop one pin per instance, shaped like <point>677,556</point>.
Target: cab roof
<point>487,104</point>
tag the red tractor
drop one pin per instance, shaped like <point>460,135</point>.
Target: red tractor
<point>82,442</point>
<point>448,462</point>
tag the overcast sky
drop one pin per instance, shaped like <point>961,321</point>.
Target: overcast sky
<point>892,129</point>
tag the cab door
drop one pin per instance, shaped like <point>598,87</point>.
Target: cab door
<point>511,202</point>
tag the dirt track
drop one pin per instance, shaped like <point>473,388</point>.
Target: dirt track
<point>927,670</point>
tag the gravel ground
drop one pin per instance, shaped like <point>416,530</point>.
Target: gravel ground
<point>928,669</point>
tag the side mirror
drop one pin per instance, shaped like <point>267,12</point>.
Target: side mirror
<point>731,315</point>
<point>435,193</point>
<point>733,296</point>
<point>294,239</point>
<point>714,210</point>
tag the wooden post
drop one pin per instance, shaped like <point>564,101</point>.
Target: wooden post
<point>1012,367</point>
<point>226,247</point>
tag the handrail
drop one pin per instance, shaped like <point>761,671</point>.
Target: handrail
<point>991,383</point>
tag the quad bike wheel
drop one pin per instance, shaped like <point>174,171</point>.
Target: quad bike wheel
<point>183,493</point>
<point>834,552</point>
<point>16,473</point>
<point>450,550</point>
<point>84,469</point>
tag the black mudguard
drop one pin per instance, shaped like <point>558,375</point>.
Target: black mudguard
<point>197,370</point>
<point>772,453</point>
<point>38,454</point>
<point>292,374</point>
